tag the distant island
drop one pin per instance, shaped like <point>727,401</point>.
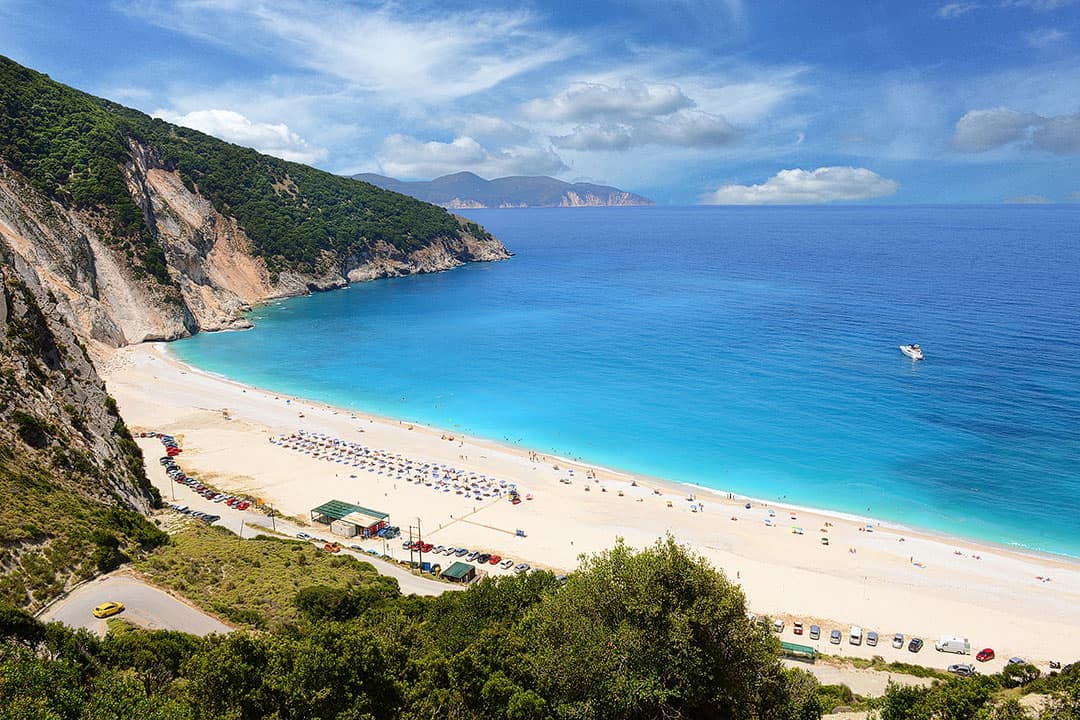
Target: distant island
<point>468,190</point>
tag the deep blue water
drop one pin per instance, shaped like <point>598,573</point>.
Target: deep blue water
<point>753,350</point>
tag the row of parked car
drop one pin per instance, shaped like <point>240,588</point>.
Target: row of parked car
<point>207,518</point>
<point>173,470</point>
<point>469,555</point>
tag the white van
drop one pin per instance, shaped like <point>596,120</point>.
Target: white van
<point>953,644</point>
<point>855,636</point>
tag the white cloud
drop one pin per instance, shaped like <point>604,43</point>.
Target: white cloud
<point>1059,135</point>
<point>489,127</point>
<point>273,139</point>
<point>631,99</point>
<point>956,9</point>
<point>688,128</point>
<point>403,156</point>
<point>981,130</point>
<point>801,187</point>
<point>1045,37</point>
<point>427,57</point>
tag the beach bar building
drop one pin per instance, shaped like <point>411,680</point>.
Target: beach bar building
<point>460,572</point>
<point>350,520</point>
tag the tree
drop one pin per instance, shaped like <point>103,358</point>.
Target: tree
<point>655,633</point>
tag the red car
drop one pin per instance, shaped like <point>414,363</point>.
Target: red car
<point>495,559</point>
<point>243,505</point>
<point>985,654</point>
<point>797,628</point>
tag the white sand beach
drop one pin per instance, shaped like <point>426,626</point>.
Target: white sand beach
<point>881,577</point>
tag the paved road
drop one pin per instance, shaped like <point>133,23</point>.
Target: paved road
<point>144,605</point>
<point>249,522</point>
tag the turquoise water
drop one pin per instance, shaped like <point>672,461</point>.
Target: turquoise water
<point>751,350</point>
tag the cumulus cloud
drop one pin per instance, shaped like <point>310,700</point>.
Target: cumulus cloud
<point>802,187</point>
<point>596,101</point>
<point>956,9</point>
<point>403,156</point>
<point>981,130</point>
<point>273,139</point>
<point>689,128</point>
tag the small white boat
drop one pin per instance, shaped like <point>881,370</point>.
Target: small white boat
<point>913,351</point>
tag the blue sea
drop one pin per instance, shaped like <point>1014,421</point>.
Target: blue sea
<point>751,350</point>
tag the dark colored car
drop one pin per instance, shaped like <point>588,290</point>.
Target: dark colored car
<point>915,645</point>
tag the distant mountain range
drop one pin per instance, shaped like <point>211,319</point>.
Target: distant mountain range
<point>467,190</point>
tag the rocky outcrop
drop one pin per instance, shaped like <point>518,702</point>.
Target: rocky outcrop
<point>216,275</point>
<point>590,199</point>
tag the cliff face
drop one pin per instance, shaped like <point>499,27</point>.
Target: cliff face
<point>71,476</point>
<point>216,275</point>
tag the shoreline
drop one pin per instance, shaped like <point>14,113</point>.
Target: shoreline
<point>860,578</point>
<point>644,479</point>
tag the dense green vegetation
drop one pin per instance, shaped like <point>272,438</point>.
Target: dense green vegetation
<point>651,634</point>
<point>73,146</point>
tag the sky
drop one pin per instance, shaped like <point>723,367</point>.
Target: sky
<point>684,101</point>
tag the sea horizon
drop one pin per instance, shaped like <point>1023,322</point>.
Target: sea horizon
<point>820,338</point>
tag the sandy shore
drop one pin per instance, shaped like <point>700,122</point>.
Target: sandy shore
<point>887,579</point>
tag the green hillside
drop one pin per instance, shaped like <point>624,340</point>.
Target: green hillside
<point>73,146</point>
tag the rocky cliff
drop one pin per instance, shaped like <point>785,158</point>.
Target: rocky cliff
<point>71,476</point>
<point>210,258</point>
<point>143,230</point>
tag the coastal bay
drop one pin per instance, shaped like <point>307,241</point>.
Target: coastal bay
<point>891,578</point>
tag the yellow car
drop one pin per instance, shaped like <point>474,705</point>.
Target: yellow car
<point>104,610</point>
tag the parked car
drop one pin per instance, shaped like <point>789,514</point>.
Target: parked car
<point>522,567</point>
<point>797,628</point>
<point>915,645</point>
<point>985,654</point>
<point>960,669</point>
<point>1017,660</point>
<point>506,564</point>
<point>815,632</point>
<point>472,556</point>
<point>778,626</point>
<point>898,640</point>
<point>462,552</point>
<point>835,636</point>
<point>303,536</point>
<point>106,609</point>
<point>483,558</point>
<point>495,559</point>
<point>243,505</point>
<point>871,638</point>
<point>406,545</point>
